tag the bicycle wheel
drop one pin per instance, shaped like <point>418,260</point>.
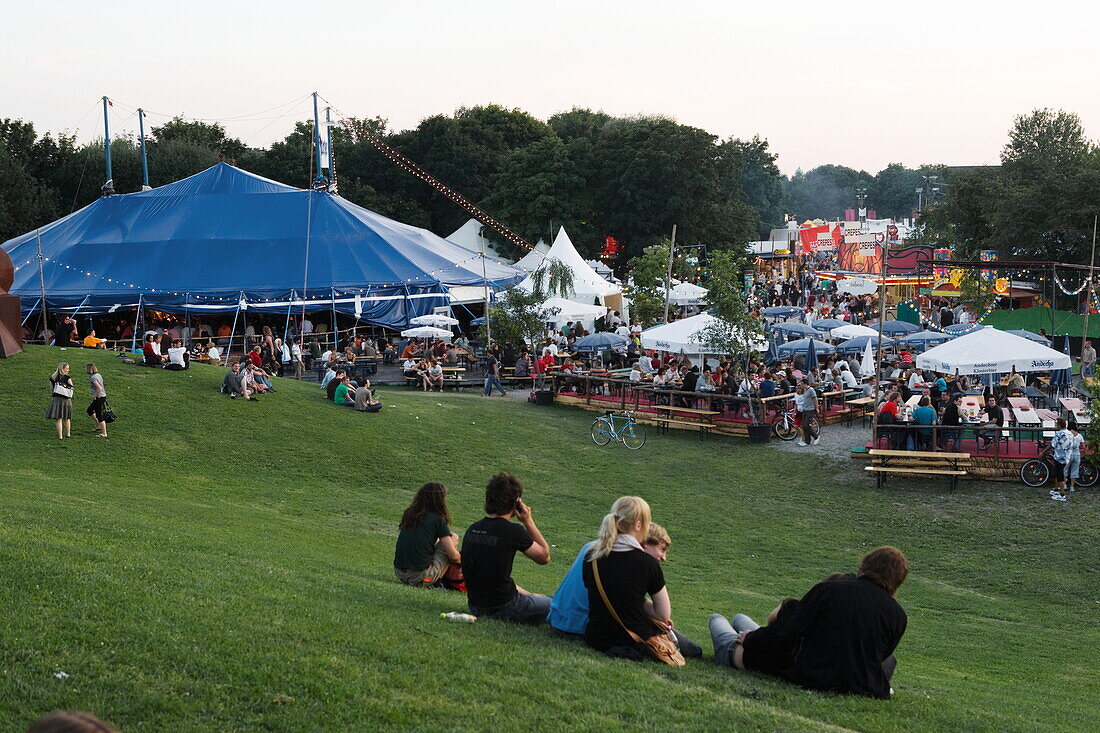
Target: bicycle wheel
<point>1087,474</point>
<point>1034,473</point>
<point>634,436</point>
<point>815,428</point>
<point>601,434</point>
<point>784,428</point>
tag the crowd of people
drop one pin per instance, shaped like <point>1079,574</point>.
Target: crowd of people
<point>840,636</point>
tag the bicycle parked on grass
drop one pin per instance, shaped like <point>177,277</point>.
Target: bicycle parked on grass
<point>1038,471</point>
<point>787,424</point>
<point>621,427</point>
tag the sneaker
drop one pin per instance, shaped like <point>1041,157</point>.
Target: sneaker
<point>803,443</point>
<point>1059,497</point>
<point>815,441</point>
<point>1053,492</point>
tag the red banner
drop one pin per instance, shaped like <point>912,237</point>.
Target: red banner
<point>811,238</point>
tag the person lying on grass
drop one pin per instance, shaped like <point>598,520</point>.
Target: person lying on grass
<point>569,608</point>
<point>839,638</point>
<point>627,574</point>
<point>488,551</point>
<point>427,549</point>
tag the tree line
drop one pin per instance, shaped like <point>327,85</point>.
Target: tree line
<point>631,178</point>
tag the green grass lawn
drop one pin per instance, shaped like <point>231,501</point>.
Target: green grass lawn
<point>226,565</point>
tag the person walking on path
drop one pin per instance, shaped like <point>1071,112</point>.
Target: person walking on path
<point>98,408</point>
<point>61,401</point>
<point>806,402</point>
<point>1088,361</point>
<point>492,374</point>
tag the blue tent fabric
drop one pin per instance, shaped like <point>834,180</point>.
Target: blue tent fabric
<point>781,311</point>
<point>1031,336</point>
<point>1062,377</point>
<point>811,356</point>
<point>828,324</point>
<point>208,242</point>
<point>793,327</point>
<point>925,338</point>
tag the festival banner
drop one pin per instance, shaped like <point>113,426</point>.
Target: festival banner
<point>941,255</point>
<point>812,238</point>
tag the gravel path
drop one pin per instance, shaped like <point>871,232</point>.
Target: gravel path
<point>836,443</point>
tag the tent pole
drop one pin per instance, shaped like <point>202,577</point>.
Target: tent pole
<point>41,277</point>
<point>335,331</point>
<point>668,272</point>
<point>31,313</point>
<point>1091,287</point>
<point>144,160</point>
<point>878,357</point>
<point>485,284</point>
<point>137,320</point>
<point>187,311</point>
<point>289,305</point>
<point>233,330</point>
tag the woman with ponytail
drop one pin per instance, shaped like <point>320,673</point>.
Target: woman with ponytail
<point>628,575</point>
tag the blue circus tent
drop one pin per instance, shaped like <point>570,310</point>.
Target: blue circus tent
<point>225,239</point>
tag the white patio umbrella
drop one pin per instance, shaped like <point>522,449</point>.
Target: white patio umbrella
<point>427,332</point>
<point>867,366</point>
<point>991,351</point>
<point>434,319</point>
<point>852,331</point>
<point>683,336</point>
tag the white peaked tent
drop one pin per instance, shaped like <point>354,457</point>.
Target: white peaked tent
<point>569,310</point>
<point>534,258</point>
<point>468,236</point>
<point>681,336</point>
<point>685,293</point>
<point>588,286</point>
<point>990,351</point>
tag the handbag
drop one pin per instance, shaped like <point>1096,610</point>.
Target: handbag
<point>662,648</point>
<point>61,390</point>
<point>108,414</point>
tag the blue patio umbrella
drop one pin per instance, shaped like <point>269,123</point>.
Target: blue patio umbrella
<point>895,328</point>
<point>811,357</point>
<point>599,342</point>
<point>773,352</point>
<point>479,321</point>
<point>1032,336</point>
<point>925,338</point>
<point>859,343</point>
<point>781,311</point>
<point>792,327</point>
<point>828,324</point>
<point>959,329</point>
<point>802,346</point>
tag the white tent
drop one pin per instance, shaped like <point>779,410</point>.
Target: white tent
<point>534,258</point>
<point>867,366</point>
<point>587,285</point>
<point>851,331</point>
<point>468,236</point>
<point>569,310</point>
<point>990,351</point>
<point>685,293</point>
<point>683,336</point>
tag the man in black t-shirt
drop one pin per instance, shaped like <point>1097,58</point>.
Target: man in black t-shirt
<point>489,548</point>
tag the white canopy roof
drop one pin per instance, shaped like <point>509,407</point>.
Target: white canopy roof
<point>572,311</point>
<point>534,258</point>
<point>468,236</point>
<point>587,285</point>
<point>851,331</point>
<point>685,293</point>
<point>680,336</point>
<point>991,351</point>
<point>427,332</point>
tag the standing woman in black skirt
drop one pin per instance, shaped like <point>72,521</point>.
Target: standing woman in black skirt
<point>61,402</point>
<point>99,400</point>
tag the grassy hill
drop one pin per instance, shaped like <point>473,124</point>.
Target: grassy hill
<point>226,565</point>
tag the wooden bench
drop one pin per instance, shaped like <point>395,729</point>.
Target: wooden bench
<point>703,419</point>
<point>918,463</point>
<point>663,423</point>
<point>861,407</point>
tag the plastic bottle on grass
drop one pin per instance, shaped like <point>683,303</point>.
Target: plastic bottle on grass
<point>462,618</point>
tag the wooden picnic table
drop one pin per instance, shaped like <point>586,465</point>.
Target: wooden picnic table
<point>1023,411</point>
<point>704,418</point>
<point>695,410</point>
<point>913,401</point>
<point>1077,410</point>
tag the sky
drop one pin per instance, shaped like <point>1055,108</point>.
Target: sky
<point>854,83</point>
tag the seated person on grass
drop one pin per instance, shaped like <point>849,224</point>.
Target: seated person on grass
<point>839,638</point>
<point>91,342</point>
<point>330,388</point>
<point>365,399</point>
<point>178,360</point>
<point>250,380</point>
<point>343,395</point>
<point>569,607</point>
<point>427,549</point>
<point>489,548</point>
<point>233,383</point>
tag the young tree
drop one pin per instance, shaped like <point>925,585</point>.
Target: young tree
<point>646,285</point>
<point>553,278</point>
<point>520,316</point>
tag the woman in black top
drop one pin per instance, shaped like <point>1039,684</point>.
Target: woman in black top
<point>61,404</point>
<point>628,574</point>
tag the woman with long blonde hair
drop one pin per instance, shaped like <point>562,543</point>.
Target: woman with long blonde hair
<point>628,575</point>
<point>61,401</point>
